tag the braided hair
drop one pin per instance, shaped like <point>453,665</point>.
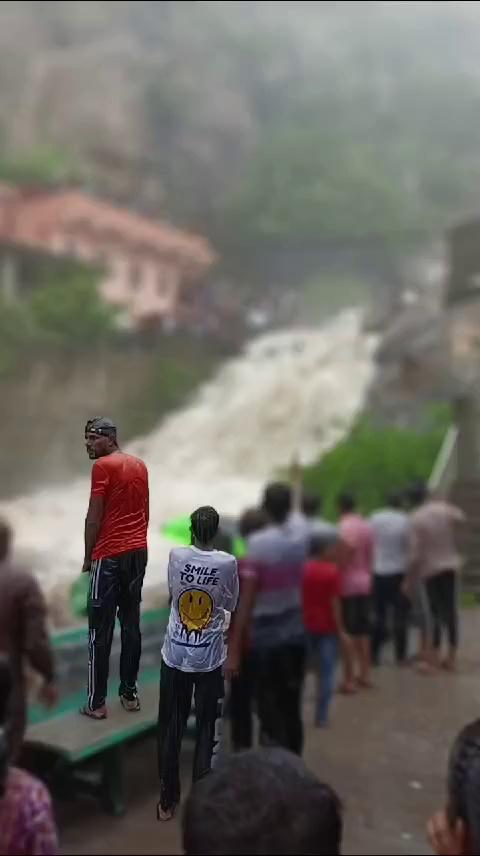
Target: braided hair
<point>6,686</point>
<point>204,524</point>
<point>464,781</point>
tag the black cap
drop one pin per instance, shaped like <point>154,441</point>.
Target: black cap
<point>100,425</point>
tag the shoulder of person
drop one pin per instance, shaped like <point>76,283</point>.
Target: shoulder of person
<point>102,464</point>
<point>180,552</point>
<point>260,537</point>
<point>28,784</point>
<point>223,556</point>
<point>138,461</point>
<point>455,512</point>
<point>18,577</point>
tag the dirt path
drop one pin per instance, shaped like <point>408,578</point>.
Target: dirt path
<point>385,753</point>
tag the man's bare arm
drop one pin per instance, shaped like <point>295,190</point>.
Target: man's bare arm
<point>93,521</point>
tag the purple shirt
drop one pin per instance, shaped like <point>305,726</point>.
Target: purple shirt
<point>356,533</point>
<point>275,558</point>
<point>27,827</point>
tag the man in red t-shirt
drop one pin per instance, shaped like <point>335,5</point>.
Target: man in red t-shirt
<point>116,558</point>
<point>323,617</point>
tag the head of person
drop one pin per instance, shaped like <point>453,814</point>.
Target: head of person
<point>264,801</point>
<point>311,504</point>
<point>6,686</point>
<point>204,523</point>
<point>277,501</point>
<point>252,520</point>
<point>464,785</point>
<point>346,503</point>
<point>395,500</point>
<point>418,494</point>
<point>324,546</point>
<point>100,437</point>
<point>5,539</point>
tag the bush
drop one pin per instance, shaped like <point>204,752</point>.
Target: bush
<point>18,336</point>
<point>70,313</point>
<point>372,461</point>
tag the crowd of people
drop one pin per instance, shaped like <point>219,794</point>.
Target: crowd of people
<point>306,591</point>
<point>312,589</point>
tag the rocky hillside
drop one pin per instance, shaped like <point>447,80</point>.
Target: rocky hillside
<point>265,125</point>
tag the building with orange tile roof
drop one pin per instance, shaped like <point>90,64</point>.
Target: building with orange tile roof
<point>148,266</point>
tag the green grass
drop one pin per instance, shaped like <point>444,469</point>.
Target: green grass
<point>372,461</point>
<point>327,294</point>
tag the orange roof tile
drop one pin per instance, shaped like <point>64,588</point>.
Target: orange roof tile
<point>38,214</point>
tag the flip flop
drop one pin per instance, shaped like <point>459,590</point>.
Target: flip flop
<point>92,714</point>
<point>132,705</point>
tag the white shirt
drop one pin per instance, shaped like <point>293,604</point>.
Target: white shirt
<point>203,586</point>
<point>391,541</point>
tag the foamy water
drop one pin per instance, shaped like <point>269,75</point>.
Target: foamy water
<point>290,393</point>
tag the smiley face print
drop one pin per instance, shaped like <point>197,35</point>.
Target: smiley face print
<point>195,609</point>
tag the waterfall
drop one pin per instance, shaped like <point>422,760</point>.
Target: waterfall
<point>289,393</point>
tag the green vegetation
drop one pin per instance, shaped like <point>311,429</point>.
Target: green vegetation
<point>70,314</point>
<point>63,314</point>
<point>372,461</point>
<point>328,121</point>
<point>325,295</point>
<point>39,166</point>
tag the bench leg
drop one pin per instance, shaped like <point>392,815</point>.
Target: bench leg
<point>113,781</point>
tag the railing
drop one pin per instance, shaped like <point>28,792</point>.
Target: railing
<point>445,468</point>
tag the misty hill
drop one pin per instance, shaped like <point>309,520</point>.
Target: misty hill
<point>259,122</point>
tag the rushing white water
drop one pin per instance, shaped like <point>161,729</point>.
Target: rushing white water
<point>290,393</point>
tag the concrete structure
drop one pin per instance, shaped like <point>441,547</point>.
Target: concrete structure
<point>148,267</point>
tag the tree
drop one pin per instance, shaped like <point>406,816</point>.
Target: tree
<point>70,312</point>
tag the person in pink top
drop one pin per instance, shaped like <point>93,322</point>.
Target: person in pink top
<point>27,827</point>
<point>356,585</point>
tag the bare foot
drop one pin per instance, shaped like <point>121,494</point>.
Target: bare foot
<point>424,668</point>
<point>449,665</point>
<point>365,684</point>
<point>98,713</point>
<point>347,688</point>
<point>165,815</point>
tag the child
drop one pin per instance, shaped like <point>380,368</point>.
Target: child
<point>203,585</point>
<point>322,615</point>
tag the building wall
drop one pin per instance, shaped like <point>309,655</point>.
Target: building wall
<point>142,284</point>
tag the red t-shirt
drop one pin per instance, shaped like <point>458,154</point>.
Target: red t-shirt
<point>123,482</point>
<point>321,585</point>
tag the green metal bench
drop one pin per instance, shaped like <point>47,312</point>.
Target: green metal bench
<point>82,756</point>
<point>78,755</point>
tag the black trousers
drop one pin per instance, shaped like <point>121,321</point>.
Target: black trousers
<point>115,585</point>
<point>442,601</point>
<point>242,693</point>
<point>389,599</point>
<point>280,677</point>
<point>176,690</point>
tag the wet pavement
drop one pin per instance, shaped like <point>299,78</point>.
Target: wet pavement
<point>385,753</point>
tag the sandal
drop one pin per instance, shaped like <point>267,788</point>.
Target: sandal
<point>132,705</point>
<point>99,713</point>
